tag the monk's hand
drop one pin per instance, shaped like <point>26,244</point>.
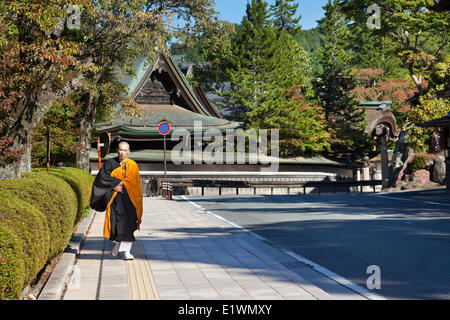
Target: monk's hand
<point>118,188</point>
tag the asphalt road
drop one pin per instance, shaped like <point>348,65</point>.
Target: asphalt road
<point>405,235</point>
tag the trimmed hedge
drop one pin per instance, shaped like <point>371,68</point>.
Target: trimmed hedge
<point>12,264</point>
<point>37,216</point>
<point>81,183</point>
<point>46,192</point>
<point>27,224</point>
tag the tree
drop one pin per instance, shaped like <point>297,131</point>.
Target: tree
<point>34,54</point>
<point>213,40</point>
<point>190,54</point>
<point>345,120</point>
<point>369,50</point>
<point>251,50</point>
<point>70,126</point>
<point>440,75</point>
<point>311,40</point>
<point>283,13</point>
<point>419,35</point>
<point>270,76</point>
<point>53,61</point>
<point>419,139</point>
<point>62,123</point>
<point>302,126</point>
<point>372,86</point>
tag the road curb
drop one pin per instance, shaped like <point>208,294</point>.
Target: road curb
<point>54,287</point>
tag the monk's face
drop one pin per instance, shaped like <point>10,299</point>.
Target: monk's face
<point>123,150</point>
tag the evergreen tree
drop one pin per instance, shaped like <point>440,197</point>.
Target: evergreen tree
<point>311,41</point>
<point>345,120</point>
<point>251,51</point>
<point>270,77</point>
<point>283,13</point>
<point>418,33</point>
<point>370,50</point>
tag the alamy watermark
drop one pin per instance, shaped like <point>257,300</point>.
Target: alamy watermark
<point>374,21</point>
<point>226,149</point>
<point>374,281</point>
<point>74,18</point>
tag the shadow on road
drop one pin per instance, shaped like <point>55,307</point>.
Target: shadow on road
<point>408,239</point>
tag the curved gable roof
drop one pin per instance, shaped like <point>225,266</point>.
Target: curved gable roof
<point>165,64</point>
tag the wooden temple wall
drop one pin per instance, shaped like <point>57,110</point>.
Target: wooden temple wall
<point>286,173</point>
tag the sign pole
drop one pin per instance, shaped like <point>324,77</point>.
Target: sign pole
<point>99,154</point>
<point>165,162</point>
<point>48,149</point>
<point>164,129</point>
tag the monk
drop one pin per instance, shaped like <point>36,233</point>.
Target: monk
<point>117,191</point>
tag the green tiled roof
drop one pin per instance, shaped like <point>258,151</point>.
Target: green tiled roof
<point>153,114</point>
<point>183,78</point>
<point>379,105</point>
<point>141,66</point>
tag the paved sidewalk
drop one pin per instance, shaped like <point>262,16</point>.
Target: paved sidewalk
<point>183,253</point>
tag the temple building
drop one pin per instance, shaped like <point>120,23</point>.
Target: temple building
<point>164,94</point>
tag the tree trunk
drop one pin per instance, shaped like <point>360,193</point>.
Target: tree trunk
<point>82,160</point>
<point>27,113</point>
<point>417,80</point>
<point>86,126</point>
<point>22,137</point>
<point>21,129</point>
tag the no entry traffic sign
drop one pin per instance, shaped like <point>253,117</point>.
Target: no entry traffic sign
<point>164,128</point>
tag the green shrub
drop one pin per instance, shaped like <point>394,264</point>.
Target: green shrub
<point>37,216</point>
<point>428,109</point>
<point>12,264</point>
<point>81,183</point>
<point>418,163</point>
<point>56,199</point>
<point>29,226</point>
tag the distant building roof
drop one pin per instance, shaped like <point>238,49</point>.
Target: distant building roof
<point>135,128</point>
<point>207,103</point>
<point>379,113</point>
<point>141,66</point>
<point>162,91</point>
<point>443,122</point>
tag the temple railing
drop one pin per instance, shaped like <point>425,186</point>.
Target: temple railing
<point>291,182</point>
<point>168,185</point>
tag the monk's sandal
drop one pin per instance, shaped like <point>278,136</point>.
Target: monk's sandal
<point>127,255</point>
<point>115,249</point>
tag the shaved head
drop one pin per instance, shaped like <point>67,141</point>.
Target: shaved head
<point>123,149</point>
<point>123,145</point>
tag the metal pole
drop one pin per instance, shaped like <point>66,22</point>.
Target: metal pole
<point>165,164</point>
<point>384,161</point>
<point>99,154</point>
<point>447,157</point>
<point>48,149</point>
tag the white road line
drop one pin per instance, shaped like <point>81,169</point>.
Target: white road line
<point>403,199</point>
<point>328,273</point>
<point>437,203</point>
<point>333,276</point>
<point>234,225</point>
<point>389,197</point>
